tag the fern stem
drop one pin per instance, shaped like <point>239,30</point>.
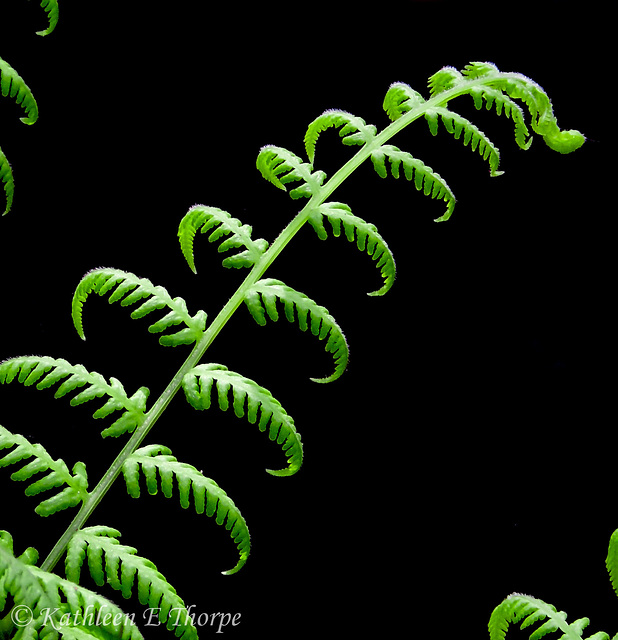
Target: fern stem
<point>212,331</point>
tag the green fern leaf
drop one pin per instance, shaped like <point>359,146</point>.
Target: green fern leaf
<point>444,79</point>
<point>198,383</point>
<point>611,561</point>
<point>527,611</point>
<point>29,557</point>
<point>208,497</point>
<point>52,10</point>
<point>401,98</point>
<point>222,226</point>
<point>424,177</point>
<point>13,86</point>
<point>354,130</point>
<point>456,124</point>
<point>129,289</point>
<point>58,606</point>
<point>121,567</point>
<point>77,484</point>
<point>261,300</point>
<point>47,371</point>
<point>280,167</point>
<point>491,97</point>
<point>356,230</point>
<point>8,183</point>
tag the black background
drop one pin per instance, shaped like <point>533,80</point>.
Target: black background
<point>468,451</point>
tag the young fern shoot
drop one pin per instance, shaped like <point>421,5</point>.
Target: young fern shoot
<point>207,384</point>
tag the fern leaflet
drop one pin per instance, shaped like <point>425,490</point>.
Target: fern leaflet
<point>519,608</point>
<point>47,371</point>
<point>354,130</point>
<point>13,86</point>
<point>261,300</point>
<point>58,606</point>
<point>401,98</point>
<point>280,166</point>
<point>129,289</point>
<point>611,561</point>
<point>456,124</point>
<point>222,226</point>
<point>52,10</point>
<point>121,567</point>
<point>424,177</point>
<point>77,484</point>
<point>198,383</point>
<point>8,182</point>
<point>366,236</point>
<point>208,497</point>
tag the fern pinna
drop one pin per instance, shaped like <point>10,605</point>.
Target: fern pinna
<point>206,384</point>
<point>14,86</point>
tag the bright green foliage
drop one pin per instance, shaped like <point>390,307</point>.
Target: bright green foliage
<point>424,177</point>
<point>222,227</point>
<point>456,124</point>
<point>198,384</point>
<point>483,81</point>
<point>208,497</point>
<point>281,167</point>
<point>52,10</point>
<point>129,289</point>
<point>7,181</point>
<point>353,131</point>
<point>13,85</point>
<point>611,561</point>
<point>261,300</point>
<point>121,567</point>
<point>510,94</point>
<point>527,611</point>
<point>356,230</point>
<point>46,372</point>
<point>40,462</point>
<point>58,605</point>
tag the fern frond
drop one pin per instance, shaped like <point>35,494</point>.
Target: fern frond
<point>198,383</point>
<point>58,606</point>
<point>13,86</point>
<point>366,236</point>
<point>425,179</point>
<point>354,130</point>
<point>518,608</point>
<point>8,183</point>
<point>47,371</point>
<point>456,124</point>
<point>52,10</point>
<point>208,497</point>
<point>399,99</point>
<point>129,289</point>
<point>76,490</point>
<point>222,227</point>
<point>121,567</point>
<point>261,300</point>
<point>280,167</point>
